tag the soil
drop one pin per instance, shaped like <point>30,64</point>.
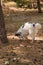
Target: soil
<point>21,52</point>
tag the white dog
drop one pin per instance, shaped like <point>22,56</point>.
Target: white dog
<point>30,29</point>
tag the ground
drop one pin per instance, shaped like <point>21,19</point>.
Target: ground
<point>25,52</point>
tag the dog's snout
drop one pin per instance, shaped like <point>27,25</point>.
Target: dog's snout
<point>17,34</point>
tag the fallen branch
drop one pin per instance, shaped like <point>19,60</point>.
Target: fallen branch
<point>17,38</point>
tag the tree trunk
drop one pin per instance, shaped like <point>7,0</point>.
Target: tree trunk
<point>39,7</point>
<point>3,36</point>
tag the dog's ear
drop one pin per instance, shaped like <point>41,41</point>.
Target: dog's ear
<point>22,26</point>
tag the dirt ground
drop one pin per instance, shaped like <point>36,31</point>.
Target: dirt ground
<point>21,52</point>
<point>25,52</point>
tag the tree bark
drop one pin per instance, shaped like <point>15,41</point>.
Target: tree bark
<point>39,7</point>
<point>3,36</point>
